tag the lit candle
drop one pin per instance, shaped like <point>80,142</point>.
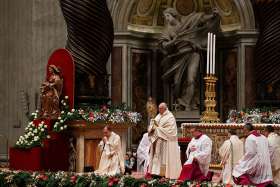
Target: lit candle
<point>211,52</point>
<point>208,54</point>
<point>214,53</point>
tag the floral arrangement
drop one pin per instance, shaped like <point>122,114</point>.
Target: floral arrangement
<point>112,115</point>
<point>65,179</point>
<point>36,133</point>
<point>256,115</point>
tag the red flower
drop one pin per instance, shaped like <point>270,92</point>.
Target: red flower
<point>111,183</point>
<point>148,176</point>
<point>91,114</point>
<point>104,108</point>
<point>144,185</point>
<point>73,179</point>
<point>43,177</point>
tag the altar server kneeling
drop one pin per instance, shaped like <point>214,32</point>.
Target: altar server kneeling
<point>199,157</point>
<point>254,168</point>
<point>230,152</point>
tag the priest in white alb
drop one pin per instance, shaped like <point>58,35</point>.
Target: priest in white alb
<point>254,168</point>
<point>165,152</point>
<point>112,160</point>
<point>143,154</point>
<point>230,152</point>
<point>274,142</point>
<point>198,157</point>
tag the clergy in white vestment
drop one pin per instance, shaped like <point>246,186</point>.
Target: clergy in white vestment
<point>230,152</point>
<point>198,157</point>
<point>274,142</point>
<point>112,160</point>
<point>165,152</point>
<point>143,154</point>
<point>254,168</point>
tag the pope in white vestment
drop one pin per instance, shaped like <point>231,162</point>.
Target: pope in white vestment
<point>164,153</point>
<point>230,152</point>
<point>254,168</point>
<point>274,143</point>
<point>112,160</point>
<point>143,154</point>
<point>199,157</point>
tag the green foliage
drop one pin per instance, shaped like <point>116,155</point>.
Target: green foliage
<point>21,179</point>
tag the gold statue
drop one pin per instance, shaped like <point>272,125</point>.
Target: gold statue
<point>51,91</point>
<point>151,108</point>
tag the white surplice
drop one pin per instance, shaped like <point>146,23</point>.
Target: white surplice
<point>143,154</point>
<point>164,152</point>
<point>112,160</point>
<point>230,152</point>
<point>203,148</point>
<point>274,142</point>
<point>256,160</point>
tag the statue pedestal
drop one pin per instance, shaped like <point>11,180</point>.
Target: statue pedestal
<point>87,137</point>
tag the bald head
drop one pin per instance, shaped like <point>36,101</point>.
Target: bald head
<point>162,108</point>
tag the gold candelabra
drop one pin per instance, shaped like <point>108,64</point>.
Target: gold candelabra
<point>210,115</point>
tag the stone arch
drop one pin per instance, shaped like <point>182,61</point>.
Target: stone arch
<point>122,11</point>
<point>246,13</point>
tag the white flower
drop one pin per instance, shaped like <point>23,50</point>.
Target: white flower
<point>45,126</point>
<point>17,143</point>
<point>48,136</point>
<point>65,126</point>
<point>42,130</point>
<point>41,125</point>
<point>66,97</point>
<point>59,118</point>
<point>31,123</point>
<point>73,110</point>
<point>61,121</point>
<point>62,112</point>
<point>37,111</point>
<point>61,128</point>
<point>64,104</point>
<point>55,126</point>
<point>35,131</point>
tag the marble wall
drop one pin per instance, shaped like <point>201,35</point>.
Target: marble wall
<point>30,30</point>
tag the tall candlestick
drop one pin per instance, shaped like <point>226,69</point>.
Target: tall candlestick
<point>211,52</point>
<point>208,54</point>
<point>214,53</point>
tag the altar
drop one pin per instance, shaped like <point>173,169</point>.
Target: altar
<point>87,137</point>
<point>218,134</point>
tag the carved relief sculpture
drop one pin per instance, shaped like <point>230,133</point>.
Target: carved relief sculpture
<point>182,42</point>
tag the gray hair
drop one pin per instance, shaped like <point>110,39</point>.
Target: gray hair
<point>172,11</point>
<point>164,105</point>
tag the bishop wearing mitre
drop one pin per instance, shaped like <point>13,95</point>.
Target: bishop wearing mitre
<point>164,152</point>
<point>112,160</point>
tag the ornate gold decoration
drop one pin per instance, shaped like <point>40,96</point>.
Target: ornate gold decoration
<point>185,7</point>
<point>210,115</point>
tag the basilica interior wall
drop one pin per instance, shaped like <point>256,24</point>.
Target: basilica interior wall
<point>30,30</point>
